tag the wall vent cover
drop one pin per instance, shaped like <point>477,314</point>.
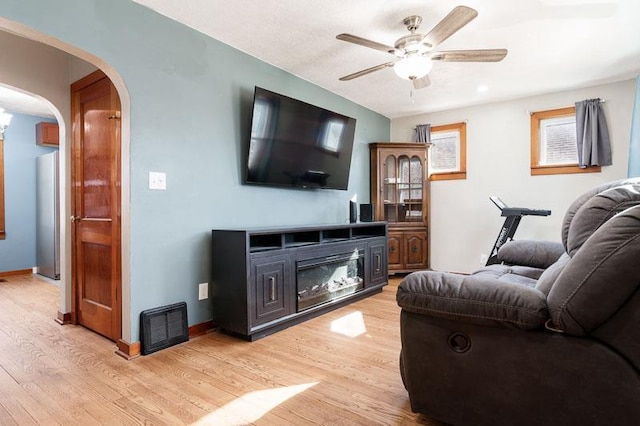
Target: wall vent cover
<point>163,327</point>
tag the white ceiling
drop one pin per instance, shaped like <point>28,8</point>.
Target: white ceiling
<point>553,45</point>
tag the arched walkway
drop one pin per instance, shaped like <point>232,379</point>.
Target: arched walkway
<point>59,101</point>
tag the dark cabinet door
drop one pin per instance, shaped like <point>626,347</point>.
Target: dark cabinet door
<point>376,260</point>
<point>416,249</point>
<point>272,281</point>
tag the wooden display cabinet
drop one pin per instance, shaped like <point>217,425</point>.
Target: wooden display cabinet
<point>400,194</point>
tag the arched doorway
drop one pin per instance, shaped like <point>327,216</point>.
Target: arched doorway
<point>60,100</point>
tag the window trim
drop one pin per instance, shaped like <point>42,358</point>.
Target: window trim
<point>536,168</point>
<point>461,173</point>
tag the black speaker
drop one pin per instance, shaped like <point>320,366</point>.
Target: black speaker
<point>366,213</point>
<point>353,212</point>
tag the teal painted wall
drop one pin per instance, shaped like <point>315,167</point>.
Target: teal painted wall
<point>18,249</point>
<point>190,112</point>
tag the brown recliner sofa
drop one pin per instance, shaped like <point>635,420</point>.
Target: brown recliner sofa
<point>552,336</point>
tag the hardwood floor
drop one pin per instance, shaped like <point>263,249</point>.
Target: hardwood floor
<point>337,369</point>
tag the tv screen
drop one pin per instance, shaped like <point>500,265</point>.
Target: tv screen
<point>296,144</point>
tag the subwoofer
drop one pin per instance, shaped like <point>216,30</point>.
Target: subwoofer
<point>366,213</point>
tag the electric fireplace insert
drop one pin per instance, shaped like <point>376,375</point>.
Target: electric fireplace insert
<point>328,278</point>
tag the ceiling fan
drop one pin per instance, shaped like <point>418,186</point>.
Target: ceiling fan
<point>415,52</point>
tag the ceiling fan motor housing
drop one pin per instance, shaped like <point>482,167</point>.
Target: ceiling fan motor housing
<point>414,51</point>
<point>411,44</point>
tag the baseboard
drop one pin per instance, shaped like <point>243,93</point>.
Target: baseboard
<point>64,318</point>
<point>200,329</point>
<point>128,350</point>
<point>17,272</point>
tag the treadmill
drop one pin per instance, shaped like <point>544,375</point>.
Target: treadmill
<point>512,217</point>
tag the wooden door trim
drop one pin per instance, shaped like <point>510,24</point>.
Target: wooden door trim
<point>87,80</point>
<point>128,350</point>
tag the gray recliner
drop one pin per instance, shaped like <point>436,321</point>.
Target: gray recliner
<point>552,336</point>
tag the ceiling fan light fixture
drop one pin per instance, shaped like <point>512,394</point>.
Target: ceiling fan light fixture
<point>413,67</point>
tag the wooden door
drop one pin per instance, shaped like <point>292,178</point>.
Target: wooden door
<point>95,175</point>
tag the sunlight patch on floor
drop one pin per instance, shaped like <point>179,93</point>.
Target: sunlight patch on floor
<point>350,325</point>
<point>252,406</point>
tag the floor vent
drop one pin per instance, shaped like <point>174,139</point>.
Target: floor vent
<point>163,327</point>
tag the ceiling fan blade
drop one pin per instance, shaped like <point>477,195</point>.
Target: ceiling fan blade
<point>365,72</point>
<point>456,19</point>
<point>480,55</point>
<point>421,83</point>
<point>365,42</point>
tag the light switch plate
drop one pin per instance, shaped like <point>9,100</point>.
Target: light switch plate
<point>157,180</point>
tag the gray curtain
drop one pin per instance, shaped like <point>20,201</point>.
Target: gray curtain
<point>592,134</point>
<point>422,133</point>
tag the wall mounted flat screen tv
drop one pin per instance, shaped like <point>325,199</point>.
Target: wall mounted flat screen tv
<point>296,144</point>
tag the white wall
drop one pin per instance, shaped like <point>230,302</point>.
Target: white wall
<point>464,222</point>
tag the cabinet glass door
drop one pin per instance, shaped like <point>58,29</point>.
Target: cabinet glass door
<point>412,198</point>
<point>389,188</point>
<point>402,188</point>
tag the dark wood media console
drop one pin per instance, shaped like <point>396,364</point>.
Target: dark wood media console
<point>265,280</point>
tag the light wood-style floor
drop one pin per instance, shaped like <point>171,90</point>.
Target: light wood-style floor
<point>337,369</point>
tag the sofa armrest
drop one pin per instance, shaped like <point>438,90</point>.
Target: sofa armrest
<point>537,254</point>
<point>474,299</point>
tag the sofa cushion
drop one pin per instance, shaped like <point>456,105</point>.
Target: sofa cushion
<point>550,275</point>
<point>577,204</point>
<point>600,277</point>
<point>476,299</point>
<point>599,209</point>
<point>537,254</point>
<point>513,274</point>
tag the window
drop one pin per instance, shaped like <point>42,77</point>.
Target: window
<point>553,143</point>
<point>448,155</point>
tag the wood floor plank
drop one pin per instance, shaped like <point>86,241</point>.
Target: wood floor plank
<point>340,368</point>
